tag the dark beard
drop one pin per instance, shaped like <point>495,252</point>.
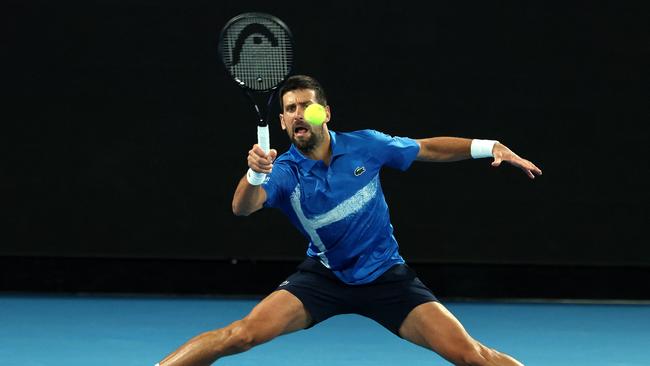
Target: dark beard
<point>307,146</point>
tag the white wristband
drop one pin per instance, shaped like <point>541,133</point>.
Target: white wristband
<point>255,179</point>
<point>482,148</point>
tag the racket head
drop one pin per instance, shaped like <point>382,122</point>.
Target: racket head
<point>257,51</point>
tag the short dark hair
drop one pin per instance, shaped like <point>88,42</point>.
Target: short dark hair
<point>298,82</point>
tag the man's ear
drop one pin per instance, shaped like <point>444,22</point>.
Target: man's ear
<point>328,113</point>
<point>284,126</point>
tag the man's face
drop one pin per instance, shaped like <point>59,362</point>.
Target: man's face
<point>302,133</point>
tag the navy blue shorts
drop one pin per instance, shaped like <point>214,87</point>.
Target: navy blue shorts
<point>387,300</point>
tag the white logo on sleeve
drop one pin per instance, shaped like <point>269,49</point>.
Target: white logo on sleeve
<point>284,283</point>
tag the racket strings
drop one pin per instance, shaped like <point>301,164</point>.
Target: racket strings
<point>257,60</point>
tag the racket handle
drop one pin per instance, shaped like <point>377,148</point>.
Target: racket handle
<point>256,178</point>
<point>263,138</point>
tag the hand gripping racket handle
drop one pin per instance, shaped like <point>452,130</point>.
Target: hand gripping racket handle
<point>263,140</point>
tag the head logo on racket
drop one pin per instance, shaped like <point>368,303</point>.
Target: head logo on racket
<point>257,50</point>
<point>252,29</point>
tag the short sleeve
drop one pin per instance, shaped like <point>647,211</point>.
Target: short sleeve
<point>394,151</point>
<point>276,185</point>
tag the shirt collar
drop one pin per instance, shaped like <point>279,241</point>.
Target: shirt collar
<point>337,148</point>
<point>306,163</point>
<point>299,158</point>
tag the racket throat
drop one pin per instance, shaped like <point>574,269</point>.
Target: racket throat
<point>263,104</point>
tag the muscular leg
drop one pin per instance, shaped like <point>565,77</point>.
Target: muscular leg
<point>432,326</point>
<point>279,313</point>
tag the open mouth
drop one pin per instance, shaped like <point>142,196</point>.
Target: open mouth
<point>300,131</point>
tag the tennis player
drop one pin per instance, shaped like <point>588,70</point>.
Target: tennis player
<point>328,186</point>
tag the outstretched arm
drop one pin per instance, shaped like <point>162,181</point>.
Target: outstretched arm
<point>447,149</point>
<point>249,198</point>
<point>444,149</point>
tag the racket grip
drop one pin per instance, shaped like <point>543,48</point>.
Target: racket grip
<point>263,138</point>
<point>256,178</point>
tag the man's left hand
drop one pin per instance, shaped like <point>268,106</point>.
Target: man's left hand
<point>501,153</point>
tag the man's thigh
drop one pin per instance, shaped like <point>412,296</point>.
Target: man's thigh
<point>277,314</point>
<point>432,326</point>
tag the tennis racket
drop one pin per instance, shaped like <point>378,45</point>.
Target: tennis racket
<point>257,51</point>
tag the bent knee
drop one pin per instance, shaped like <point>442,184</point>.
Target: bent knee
<point>242,336</point>
<point>475,355</point>
<point>471,355</point>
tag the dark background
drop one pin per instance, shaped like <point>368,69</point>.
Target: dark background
<point>126,140</point>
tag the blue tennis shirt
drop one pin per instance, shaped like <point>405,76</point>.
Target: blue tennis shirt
<point>341,208</point>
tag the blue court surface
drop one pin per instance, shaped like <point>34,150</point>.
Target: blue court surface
<point>134,330</point>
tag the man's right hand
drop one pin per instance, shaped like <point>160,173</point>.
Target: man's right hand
<point>259,161</point>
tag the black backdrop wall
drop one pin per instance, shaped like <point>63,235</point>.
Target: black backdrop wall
<point>126,139</point>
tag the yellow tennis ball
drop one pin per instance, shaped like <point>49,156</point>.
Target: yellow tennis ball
<point>315,114</point>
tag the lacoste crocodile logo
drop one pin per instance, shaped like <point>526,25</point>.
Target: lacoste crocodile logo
<point>359,170</point>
